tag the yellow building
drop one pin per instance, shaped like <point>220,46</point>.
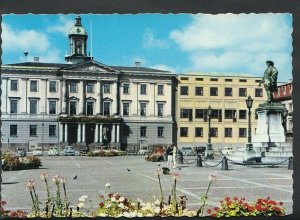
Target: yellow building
<point>226,94</point>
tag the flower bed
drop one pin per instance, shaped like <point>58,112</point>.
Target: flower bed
<point>19,163</point>
<point>106,153</point>
<point>157,154</point>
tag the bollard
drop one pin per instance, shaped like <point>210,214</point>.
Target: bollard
<point>180,157</point>
<point>199,161</point>
<point>290,166</point>
<point>224,164</point>
<point>166,170</point>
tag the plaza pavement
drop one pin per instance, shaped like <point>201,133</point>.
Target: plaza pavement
<point>141,182</point>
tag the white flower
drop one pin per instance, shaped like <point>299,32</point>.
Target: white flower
<point>157,210</point>
<point>121,205</point>
<point>108,205</point>
<point>80,205</point>
<point>83,198</point>
<point>113,199</point>
<point>121,199</point>
<point>212,177</point>
<point>149,215</point>
<point>56,179</point>
<point>107,185</point>
<point>44,176</point>
<point>139,200</point>
<point>157,202</point>
<point>139,214</point>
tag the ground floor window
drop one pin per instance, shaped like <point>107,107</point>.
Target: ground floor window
<point>143,131</point>
<point>184,131</point>
<point>160,131</point>
<point>228,132</point>
<point>214,132</point>
<point>13,130</point>
<point>52,130</point>
<point>33,129</point>
<point>243,132</point>
<point>198,132</point>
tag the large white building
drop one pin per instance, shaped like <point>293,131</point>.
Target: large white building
<point>85,102</point>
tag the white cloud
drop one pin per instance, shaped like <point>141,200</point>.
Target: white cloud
<point>23,40</point>
<point>64,25</point>
<point>149,40</point>
<point>163,67</point>
<point>240,43</point>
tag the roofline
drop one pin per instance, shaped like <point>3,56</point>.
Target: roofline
<point>220,74</point>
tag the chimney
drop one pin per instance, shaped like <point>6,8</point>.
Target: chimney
<point>25,54</point>
<point>36,59</point>
<point>137,64</point>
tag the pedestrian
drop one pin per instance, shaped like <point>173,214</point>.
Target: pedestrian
<point>169,153</point>
<point>174,155</point>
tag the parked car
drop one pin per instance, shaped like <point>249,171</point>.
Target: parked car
<point>53,151</point>
<point>21,153</point>
<point>69,151</point>
<point>227,150</point>
<point>84,150</point>
<point>38,151</point>
<point>187,151</point>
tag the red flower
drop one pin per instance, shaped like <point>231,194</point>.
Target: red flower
<point>250,208</point>
<point>216,208</point>
<point>110,195</point>
<point>213,215</point>
<point>208,211</point>
<point>235,198</point>
<point>228,203</point>
<point>280,203</point>
<point>101,204</point>
<point>227,198</point>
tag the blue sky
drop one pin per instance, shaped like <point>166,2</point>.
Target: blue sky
<point>180,43</point>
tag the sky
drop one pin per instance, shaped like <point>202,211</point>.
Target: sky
<point>180,43</point>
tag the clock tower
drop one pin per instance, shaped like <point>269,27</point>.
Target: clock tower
<point>78,43</point>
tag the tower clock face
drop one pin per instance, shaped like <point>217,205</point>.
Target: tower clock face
<point>78,30</point>
<point>78,42</point>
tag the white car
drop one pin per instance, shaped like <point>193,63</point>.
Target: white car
<point>227,150</point>
<point>53,151</point>
<point>38,151</point>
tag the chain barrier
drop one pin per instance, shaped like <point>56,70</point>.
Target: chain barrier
<point>184,160</point>
<point>255,164</point>
<point>207,165</point>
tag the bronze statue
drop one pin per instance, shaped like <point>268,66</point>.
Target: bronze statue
<point>270,80</point>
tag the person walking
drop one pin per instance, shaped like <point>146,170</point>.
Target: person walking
<point>169,153</point>
<point>174,155</point>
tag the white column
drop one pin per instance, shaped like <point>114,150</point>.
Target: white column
<point>83,133</point>
<point>113,135</point>
<point>61,132</point>
<point>100,133</point>
<point>118,133</point>
<point>79,133</point>
<point>64,101</point>
<point>96,133</point>
<point>66,132</point>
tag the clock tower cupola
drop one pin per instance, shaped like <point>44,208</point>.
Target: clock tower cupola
<point>78,43</point>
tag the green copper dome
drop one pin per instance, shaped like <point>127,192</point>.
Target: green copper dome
<point>77,28</point>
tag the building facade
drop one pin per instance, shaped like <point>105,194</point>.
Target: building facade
<point>85,102</point>
<point>226,94</point>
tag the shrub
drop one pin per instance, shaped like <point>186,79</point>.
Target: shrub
<point>17,163</point>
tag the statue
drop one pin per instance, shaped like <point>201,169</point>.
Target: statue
<point>270,80</point>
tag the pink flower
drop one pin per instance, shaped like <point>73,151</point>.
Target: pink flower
<point>212,177</point>
<point>175,175</point>
<point>157,171</point>
<point>56,179</point>
<point>30,184</point>
<point>44,175</point>
<point>62,179</point>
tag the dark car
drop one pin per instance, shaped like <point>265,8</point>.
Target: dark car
<point>84,150</point>
<point>200,150</point>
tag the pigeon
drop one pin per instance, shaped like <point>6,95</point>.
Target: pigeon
<point>75,177</point>
<point>158,165</point>
<point>128,170</point>
<point>179,168</point>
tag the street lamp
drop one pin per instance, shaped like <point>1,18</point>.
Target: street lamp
<point>209,149</point>
<point>249,102</point>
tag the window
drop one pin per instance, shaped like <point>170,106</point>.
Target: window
<point>143,109</point>
<point>242,114</point>
<point>125,88</point>
<point>243,80</point>
<point>199,79</point>
<point>106,88</point>
<point>160,131</point>
<point>73,87</point>
<point>198,132</point>
<point>89,87</point>
<point>214,132</point>
<point>257,81</point>
<point>216,114</point>
<point>228,80</point>
<point>228,91</point>
<point>228,132</point>
<point>52,107</point>
<point>186,113</point>
<point>143,89</point>
<point>214,79</point>
<point>160,109</point>
<point>106,108</point>
<point>13,106</point>
<point>213,91</point>
<point>256,116</point>
<point>258,93</point>
<point>33,86</point>
<point>52,130</point>
<point>33,129</point>
<point>230,114</point>
<point>13,130</point>
<point>242,92</point>
<point>52,86</point>
<point>160,89</point>
<point>201,113</point>
<point>125,108</point>
<point>90,108</point>
<point>184,78</point>
<point>243,132</point>
<point>184,131</point>
<point>143,131</point>
<point>14,85</point>
<point>33,106</point>
<point>184,90</point>
<point>199,91</point>
<point>73,107</point>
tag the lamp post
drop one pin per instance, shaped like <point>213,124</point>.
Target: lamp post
<point>209,150</point>
<point>249,102</point>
